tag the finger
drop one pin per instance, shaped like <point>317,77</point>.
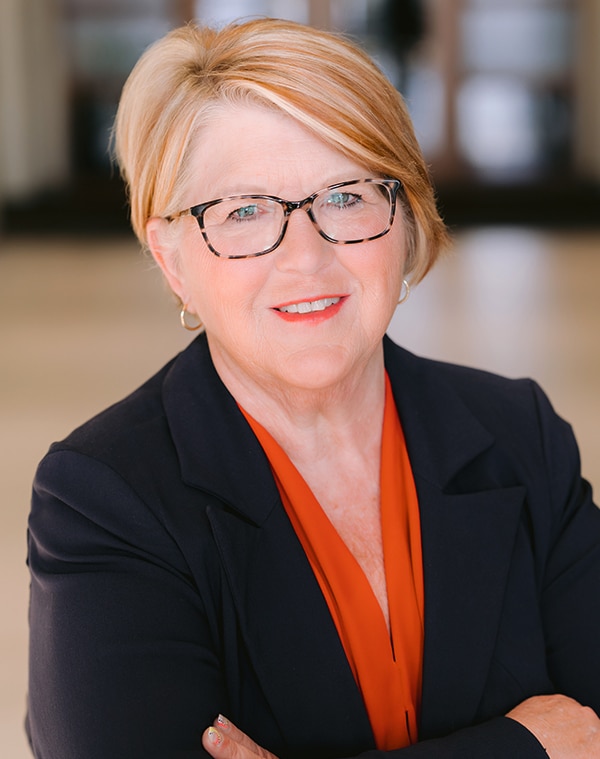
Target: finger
<point>226,726</point>
<point>224,740</point>
<point>220,746</point>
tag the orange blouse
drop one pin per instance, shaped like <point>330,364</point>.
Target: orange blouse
<point>387,663</point>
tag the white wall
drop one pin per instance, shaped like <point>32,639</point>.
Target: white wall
<point>33,96</point>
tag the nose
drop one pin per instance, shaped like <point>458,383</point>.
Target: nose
<point>302,248</point>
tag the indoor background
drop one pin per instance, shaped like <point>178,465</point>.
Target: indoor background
<point>505,96</point>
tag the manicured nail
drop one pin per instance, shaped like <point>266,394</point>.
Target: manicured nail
<point>223,721</point>
<point>214,736</point>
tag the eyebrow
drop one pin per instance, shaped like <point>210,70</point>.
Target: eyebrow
<point>254,189</point>
<point>234,190</point>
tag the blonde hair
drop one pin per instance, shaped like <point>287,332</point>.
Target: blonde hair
<point>325,82</point>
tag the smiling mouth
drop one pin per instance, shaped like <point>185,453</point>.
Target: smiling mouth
<point>309,306</point>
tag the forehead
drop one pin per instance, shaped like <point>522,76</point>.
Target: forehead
<point>252,148</point>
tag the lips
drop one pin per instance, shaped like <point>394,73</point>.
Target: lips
<point>309,306</point>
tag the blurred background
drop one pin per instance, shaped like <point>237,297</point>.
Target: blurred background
<point>505,97</point>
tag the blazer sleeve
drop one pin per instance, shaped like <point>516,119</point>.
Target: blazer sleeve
<point>123,659</point>
<point>568,543</point>
<point>496,739</point>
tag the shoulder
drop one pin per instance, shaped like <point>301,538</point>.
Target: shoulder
<point>457,375</point>
<point>101,466</point>
<point>137,422</point>
<point>130,440</point>
<point>119,475</point>
<point>491,397</point>
<point>507,425</point>
<point>126,420</point>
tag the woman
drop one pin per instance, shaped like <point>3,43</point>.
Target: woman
<point>343,548</point>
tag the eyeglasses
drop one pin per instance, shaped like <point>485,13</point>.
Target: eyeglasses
<point>346,213</point>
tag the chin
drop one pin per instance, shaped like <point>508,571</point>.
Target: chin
<point>317,368</point>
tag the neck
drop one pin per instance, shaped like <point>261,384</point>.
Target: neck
<point>313,422</point>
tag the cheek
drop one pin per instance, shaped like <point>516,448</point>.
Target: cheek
<point>386,280</point>
<point>396,259</point>
<point>224,291</point>
<point>384,268</point>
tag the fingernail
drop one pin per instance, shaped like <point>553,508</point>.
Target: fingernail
<point>223,721</point>
<point>214,736</point>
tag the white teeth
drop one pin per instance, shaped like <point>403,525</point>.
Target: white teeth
<point>308,306</point>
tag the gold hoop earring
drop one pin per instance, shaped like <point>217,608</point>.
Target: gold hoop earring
<point>404,297</point>
<point>184,322</point>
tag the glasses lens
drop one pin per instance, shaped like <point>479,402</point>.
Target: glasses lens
<point>243,226</point>
<point>250,225</point>
<point>354,212</point>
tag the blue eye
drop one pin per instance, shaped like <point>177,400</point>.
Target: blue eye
<point>245,212</point>
<point>342,199</point>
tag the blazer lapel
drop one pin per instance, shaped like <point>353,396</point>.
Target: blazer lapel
<point>468,530</point>
<point>290,635</point>
<point>467,548</point>
<point>468,527</point>
<point>283,617</point>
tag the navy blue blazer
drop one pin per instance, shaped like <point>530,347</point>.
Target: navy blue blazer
<point>168,584</point>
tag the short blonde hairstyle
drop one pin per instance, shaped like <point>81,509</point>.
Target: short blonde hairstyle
<point>322,80</point>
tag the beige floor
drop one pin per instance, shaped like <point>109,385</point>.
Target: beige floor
<point>81,323</point>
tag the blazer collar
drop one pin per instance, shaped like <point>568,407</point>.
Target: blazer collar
<point>217,450</point>
<point>442,434</point>
<point>207,426</point>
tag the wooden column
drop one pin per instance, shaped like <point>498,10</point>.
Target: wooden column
<point>319,14</point>
<point>587,89</point>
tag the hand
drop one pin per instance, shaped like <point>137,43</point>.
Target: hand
<point>565,728</point>
<point>223,740</point>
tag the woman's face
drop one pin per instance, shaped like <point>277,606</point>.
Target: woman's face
<point>244,304</point>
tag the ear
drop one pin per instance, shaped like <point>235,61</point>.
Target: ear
<point>162,244</point>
